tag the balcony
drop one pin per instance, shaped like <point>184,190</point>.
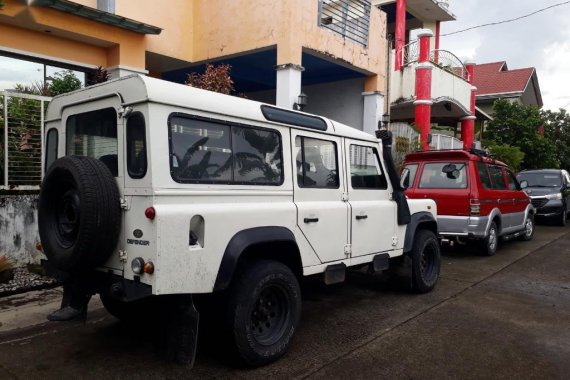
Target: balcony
<point>349,18</point>
<point>451,91</point>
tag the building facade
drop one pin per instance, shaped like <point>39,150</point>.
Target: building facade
<point>334,51</point>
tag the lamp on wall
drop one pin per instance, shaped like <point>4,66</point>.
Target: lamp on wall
<point>384,122</point>
<point>301,102</point>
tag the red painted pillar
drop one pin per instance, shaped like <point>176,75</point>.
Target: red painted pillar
<point>468,122</point>
<point>423,88</point>
<point>437,35</point>
<point>400,33</point>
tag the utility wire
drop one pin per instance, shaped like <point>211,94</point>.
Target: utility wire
<point>506,21</point>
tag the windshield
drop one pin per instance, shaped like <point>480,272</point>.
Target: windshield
<point>541,179</point>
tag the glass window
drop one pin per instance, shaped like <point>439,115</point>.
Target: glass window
<point>409,175</point>
<point>512,181</point>
<point>208,151</point>
<point>444,175</point>
<point>484,175</point>
<point>51,147</point>
<point>136,146</point>
<point>94,134</point>
<point>496,173</point>
<point>541,179</point>
<point>365,169</point>
<point>257,156</point>
<point>316,163</point>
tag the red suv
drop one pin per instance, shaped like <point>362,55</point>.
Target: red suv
<point>477,197</point>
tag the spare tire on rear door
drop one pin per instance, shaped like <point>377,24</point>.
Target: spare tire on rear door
<point>79,213</point>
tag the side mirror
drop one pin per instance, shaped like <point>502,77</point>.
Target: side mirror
<point>524,184</point>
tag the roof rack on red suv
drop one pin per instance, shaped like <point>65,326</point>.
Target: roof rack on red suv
<point>478,197</point>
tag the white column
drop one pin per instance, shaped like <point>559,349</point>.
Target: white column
<point>122,71</point>
<point>288,84</point>
<point>373,111</point>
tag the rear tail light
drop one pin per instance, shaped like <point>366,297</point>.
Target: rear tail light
<point>150,213</point>
<point>474,207</point>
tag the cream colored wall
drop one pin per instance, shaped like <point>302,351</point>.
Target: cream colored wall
<point>175,17</point>
<point>224,28</point>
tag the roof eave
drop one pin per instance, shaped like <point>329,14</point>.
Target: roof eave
<point>98,15</point>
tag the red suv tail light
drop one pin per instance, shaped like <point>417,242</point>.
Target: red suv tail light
<point>474,207</point>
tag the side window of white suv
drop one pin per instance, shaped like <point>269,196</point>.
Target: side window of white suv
<point>317,164</point>
<point>207,151</point>
<point>365,169</point>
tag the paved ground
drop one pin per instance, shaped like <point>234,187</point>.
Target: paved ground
<point>507,316</point>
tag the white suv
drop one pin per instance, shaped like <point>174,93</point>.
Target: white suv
<point>155,190</point>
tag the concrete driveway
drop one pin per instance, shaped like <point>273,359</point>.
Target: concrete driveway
<point>506,316</point>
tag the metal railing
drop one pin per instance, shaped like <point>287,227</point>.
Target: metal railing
<point>444,59</point>
<point>349,18</point>
<point>22,139</point>
<point>410,53</point>
<point>449,62</point>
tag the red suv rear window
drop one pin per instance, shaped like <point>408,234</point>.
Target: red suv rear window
<point>434,177</point>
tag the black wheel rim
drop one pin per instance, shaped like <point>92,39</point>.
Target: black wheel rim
<point>270,315</point>
<point>428,261</point>
<point>67,217</point>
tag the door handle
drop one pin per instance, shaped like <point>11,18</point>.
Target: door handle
<point>360,217</point>
<point>311,220</point>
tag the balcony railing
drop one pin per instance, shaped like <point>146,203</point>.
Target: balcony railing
<point>410,53</point>
<point>444,59</point>
<point>349,18</point>
<point>449,62</point>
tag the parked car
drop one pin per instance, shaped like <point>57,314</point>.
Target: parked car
<point>156,190</point>
<point>549,191</point>
<point>478,198</point>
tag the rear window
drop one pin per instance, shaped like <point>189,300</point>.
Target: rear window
<point>94,134</point>
<point>434,176</point>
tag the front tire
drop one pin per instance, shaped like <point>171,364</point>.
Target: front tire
<point>562,218</point>
<point>529,227</point>
<point>263,312</point>
<point>426,261</point>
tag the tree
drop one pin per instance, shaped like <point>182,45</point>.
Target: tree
<point>510,155</point>
<point>64,81</point>
<point>557,130</point>
<point>214,78</point>
<point>100,75</point>
<point>518,125</point>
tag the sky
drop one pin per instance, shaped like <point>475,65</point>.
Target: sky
<point>541,41</point>
<point>15,71</point>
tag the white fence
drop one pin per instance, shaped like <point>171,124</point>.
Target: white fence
<point>22,140</point>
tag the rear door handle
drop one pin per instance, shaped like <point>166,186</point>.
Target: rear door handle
<point>360,217</point>
<point>311,220</point>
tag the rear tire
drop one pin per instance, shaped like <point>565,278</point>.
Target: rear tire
<point>264,307</point>
<point>426,261</point>
<point>491,241</point>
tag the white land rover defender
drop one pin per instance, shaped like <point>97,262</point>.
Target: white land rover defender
<point>155,190</point>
